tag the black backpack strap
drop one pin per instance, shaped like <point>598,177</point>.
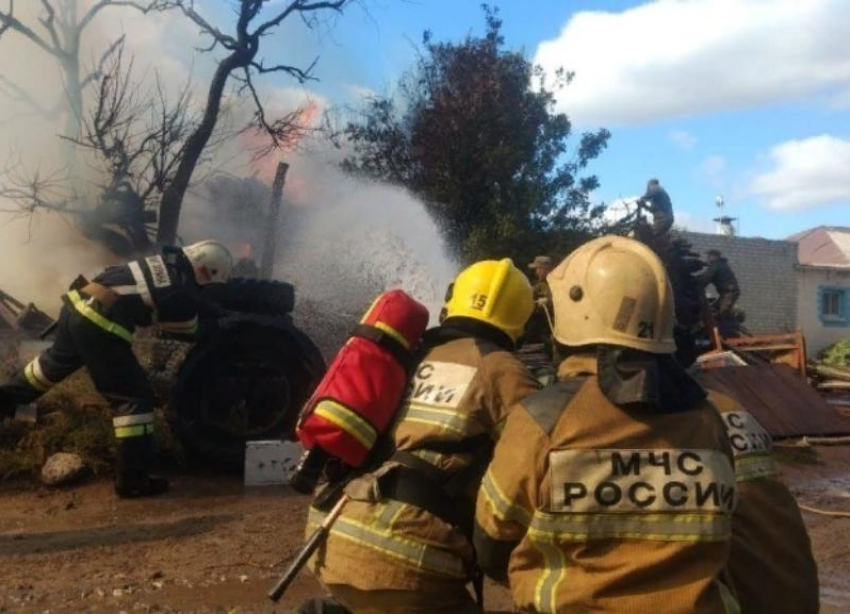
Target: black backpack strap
<point>547,405</point>
<point>376,335</point>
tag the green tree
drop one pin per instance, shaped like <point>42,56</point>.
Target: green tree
<point>474,133</point>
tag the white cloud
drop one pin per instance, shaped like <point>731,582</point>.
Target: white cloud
<point>806,173</point>
<point>683,139</point>
<point>672,58</point>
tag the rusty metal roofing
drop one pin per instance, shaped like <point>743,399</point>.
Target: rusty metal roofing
<point>780,398</point>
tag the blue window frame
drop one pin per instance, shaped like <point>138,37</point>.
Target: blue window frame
<point>834,306</point>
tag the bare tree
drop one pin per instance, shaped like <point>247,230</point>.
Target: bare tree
<point>59,33</point>
<point>240,62</point>
<point>135,139</point>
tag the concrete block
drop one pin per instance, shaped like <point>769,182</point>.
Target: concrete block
<point>270,462</point>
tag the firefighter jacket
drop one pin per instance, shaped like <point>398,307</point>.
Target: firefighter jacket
<point>721,276</point>
<point>771,563</point>
<point>459,392</point>
<point>159,289</point>
<point>614,509</point>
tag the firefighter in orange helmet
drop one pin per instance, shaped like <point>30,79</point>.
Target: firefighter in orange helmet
<point>611,491</point>
<point>403,545</point>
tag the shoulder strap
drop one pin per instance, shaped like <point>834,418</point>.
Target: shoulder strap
<point>547,405</point>
<point>376,335</point>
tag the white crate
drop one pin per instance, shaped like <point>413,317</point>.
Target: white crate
<point>270,462</point>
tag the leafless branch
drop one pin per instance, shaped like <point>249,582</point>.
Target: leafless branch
<point>284,132</point>
<point>187,7</point>
<point>49,24</point>
<point>144,7</point>
<point>302,7</point>
<point>302,75</point>
<point>97,73</point>
<point>8,21</point>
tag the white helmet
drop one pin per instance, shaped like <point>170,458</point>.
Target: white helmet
<point>615,291</point>
<point>210,260</point>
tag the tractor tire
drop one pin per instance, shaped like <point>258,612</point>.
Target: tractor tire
<point>257,296</point>
<point>247,381</point>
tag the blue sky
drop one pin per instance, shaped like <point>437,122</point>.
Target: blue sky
<point>744,98</point>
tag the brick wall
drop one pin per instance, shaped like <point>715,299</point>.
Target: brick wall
<point>767,275</point>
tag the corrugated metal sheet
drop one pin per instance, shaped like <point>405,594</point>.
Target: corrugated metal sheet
<point>779,398</point>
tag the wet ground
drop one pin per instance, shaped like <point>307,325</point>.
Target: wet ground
<point>214,547</point>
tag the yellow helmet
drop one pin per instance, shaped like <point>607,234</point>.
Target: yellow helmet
<point>495,292</point>
<point>615,291</point>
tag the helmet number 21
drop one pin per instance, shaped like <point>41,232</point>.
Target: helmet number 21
<point>646,330</point>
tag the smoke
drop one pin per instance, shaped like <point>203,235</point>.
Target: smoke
<point>341,240</point>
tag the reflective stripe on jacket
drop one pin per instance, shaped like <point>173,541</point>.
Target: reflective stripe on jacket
<point>771,563</point>
<point>461,389</point>
<point>613,510</point>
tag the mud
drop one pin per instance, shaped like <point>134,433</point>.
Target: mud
<point>214,547</point>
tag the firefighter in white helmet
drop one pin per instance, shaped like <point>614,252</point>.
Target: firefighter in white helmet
<point>611,491</point>
<point>95,330</point>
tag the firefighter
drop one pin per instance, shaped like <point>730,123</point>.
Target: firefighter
<point>611,491</point>
<point>719,274</point>
<point>660,206</point>
<point>403,545</point>
<point>95,329</point>
<point>538,329</point>
<point>771,563</point>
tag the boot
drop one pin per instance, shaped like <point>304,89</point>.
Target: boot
<point>140,485</point>
<point>135,456</point>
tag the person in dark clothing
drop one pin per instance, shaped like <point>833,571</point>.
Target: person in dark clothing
<point>719,274</point>
<point>538,329</point>
<point>95,329</point>
<point>660,206</point>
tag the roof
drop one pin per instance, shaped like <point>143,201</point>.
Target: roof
<point>824,246</point>
<point>779,398</point>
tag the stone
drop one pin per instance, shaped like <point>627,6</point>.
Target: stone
<point>62,468</point>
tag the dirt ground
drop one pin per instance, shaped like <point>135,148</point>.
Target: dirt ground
<point>212,546</point>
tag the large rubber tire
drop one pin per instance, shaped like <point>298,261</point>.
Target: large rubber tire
<point>248,382</point>
<point>257,296</point>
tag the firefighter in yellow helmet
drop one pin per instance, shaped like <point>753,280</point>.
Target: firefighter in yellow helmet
<point>404,544</point>
<point>771,563</point>
<point>95,330</point>
<point>611,491</point>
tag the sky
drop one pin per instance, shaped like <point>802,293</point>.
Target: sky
<point>744,99</point>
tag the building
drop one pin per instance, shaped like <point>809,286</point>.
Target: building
<point>823,285</point>
<point>766,272</point>
<point>800,283</point>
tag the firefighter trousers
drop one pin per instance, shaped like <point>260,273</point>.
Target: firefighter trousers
<point>117,376</point>
<point>403,602</point>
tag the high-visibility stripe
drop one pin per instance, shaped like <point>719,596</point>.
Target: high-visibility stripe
<point>422,556</point>
<point>447,419</point>
<point>35,377</point>
<point>652,527</point>
<point>133,420</point>
<point>141,283</point>
<point>348,421</point>
<point>93,316</point>
<point>429,456</point>
<point>554,570</point>
<point>138,430</point>
<point>754,467</point>
<point>187,327</point>
<point>389,330</point>
<point>503,508</point>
